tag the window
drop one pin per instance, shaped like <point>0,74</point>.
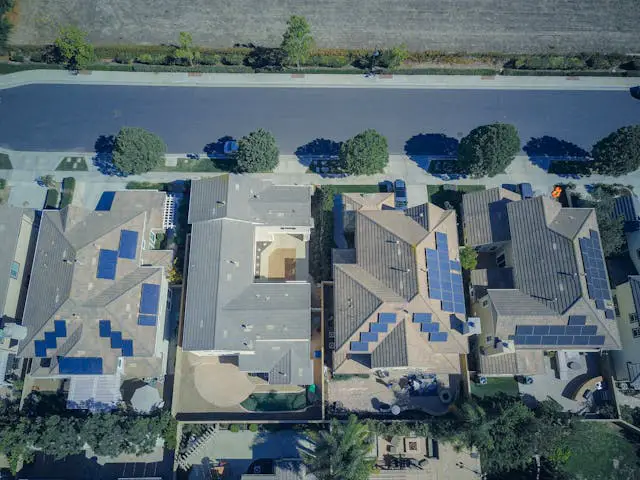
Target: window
<point>485,303</point>
<point>633,318</point>
<point>15,269</point>
<point>493,249</point>
<point>636,332</point>
<point>500,260</point>
<point>152,237</point>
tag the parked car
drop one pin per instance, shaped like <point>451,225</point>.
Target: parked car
<point>635,92</point>
<point>400,194</point>
<point>525,190</point>
<point>230,147</point>
<point>386,186</point>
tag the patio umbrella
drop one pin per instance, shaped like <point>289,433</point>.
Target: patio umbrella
<point>145,399</point>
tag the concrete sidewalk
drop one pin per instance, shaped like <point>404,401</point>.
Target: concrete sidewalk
<point>280,80</point>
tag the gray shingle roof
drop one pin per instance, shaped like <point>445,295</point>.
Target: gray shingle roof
<point>64,286</point>
<point>420,214</point>
<point>392,350</point>
<point>634,283</point>
<point>10,220</point>
<point>485,216</point>
<point>226,309</point>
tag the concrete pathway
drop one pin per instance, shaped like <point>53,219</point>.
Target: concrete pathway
<point>254,80</point>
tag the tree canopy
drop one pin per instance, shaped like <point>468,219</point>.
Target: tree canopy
<point>611,227</point>
<point>74,48</point>
<point>468,258</point>
<point>137,151</point>
<point>340,452</point>
<point>297,41</point>
<point>365,154</point>
<point>618,153</point>
<point>488,150</point>
<point>257,152</point>
<point>185,51</point>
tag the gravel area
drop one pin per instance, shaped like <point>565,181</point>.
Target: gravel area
<point>448,25</point>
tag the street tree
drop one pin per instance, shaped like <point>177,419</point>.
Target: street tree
<point>488,150</point>
<point>468,258</point>
<point>137,151</point>
<point>185,51</point>
<point>618,153</point>
<point>257,152</point>
<point>611,226</point>
<point>365,154</point>
<point>58,436</point>
<point>74,48</point>
<point>297,41</point>
<point>340,452</point>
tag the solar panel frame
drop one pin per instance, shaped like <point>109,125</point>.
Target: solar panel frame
<point>589,330</point>
<point>60,328</point>
<point>533,340</point>
<point>368,337</point>
<point>519,339</point>
<point>581,340</point>
<point>438,337</point>
<point>127,348</point>
<point>565,340</point>
<point>549,339</point>
<point>40,348</point>
<point>422,317</point>
<point>147,320</point>
<point>596,340</point>
<point>573,330</point>
<point>116,339</point>
<point>577,319</point>
<point>378,327</point>
<point>359,347</point>
<point>80,365</point>
<point>430,327</point>
<point>524,329</point>
<point>610,314</point>
<point>50,340</point>
<point>104,328</point>
<point>557,329</point>
<point>128,245</point>
<point>386,317</point>
<point>149,299</point>
<point>107,264</point>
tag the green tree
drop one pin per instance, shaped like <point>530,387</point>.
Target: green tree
<point>611,227</point>
<point>468,258</point>
<point>365,154</point>
<point>394,56</point>
<point>340,452</point>
<point>257,152</point>
<point>297,41</point>
<point>105,434</point>
<point>618,153</point>
<point>48,181</point>
<point>58,436</point>
<point>185,51</point>
<point>137,151</point>
<point>74,48</point>
<point>488,150</point>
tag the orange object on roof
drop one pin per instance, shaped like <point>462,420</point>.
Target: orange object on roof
<point>556,192</point>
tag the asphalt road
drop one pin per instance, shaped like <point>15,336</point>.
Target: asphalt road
<point>71,117</point>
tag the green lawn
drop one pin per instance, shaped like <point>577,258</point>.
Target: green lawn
<point>68,164</point>
<point>5,163</point>
<point>443,198</point>
<point>275,402</point>
<point>197,165</point>
<point>494,386</point>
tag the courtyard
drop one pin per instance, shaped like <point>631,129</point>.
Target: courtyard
<point>282,257</point>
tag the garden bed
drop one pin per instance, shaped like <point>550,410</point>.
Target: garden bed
<point>276,402</point>
<point>72,164</point>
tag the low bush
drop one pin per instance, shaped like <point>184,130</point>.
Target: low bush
<point>333,61</point>
<point>124,57</point>
<point>68,183</point>
<point>210,59</point>
<point>234,427</point>
<point>16,57</point>
<point>233,59</point>
<point>51,200</point>
<point>146,58</point>
<point>253,427</point>
<point>3,183</point>
<point>146,186</point>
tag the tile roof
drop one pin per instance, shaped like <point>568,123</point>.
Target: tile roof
<point>485,216</point>
<point>10,221</point>
<point>64,286</point>
<point>225,308</point>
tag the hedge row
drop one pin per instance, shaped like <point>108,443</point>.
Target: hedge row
<point>51,200</point>
<point>68,189</point>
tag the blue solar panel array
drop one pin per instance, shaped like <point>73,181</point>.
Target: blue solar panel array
<point>107,263</point>
<point>384,320</point>
<point>597,282</point>
<point>128,244</point>
<point>104,327</point>
<point>147,320</point>
<point>149,299</point>
<point>80,365</point>
<point>127,348</point>
<point>50,338</point>
<point>445,277</point>
<point>574,334</point>
<point>438,337</point>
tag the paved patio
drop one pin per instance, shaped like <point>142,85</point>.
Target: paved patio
<point>284,258</point>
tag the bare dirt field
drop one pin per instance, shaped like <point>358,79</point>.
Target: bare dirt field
<point>515,26</point>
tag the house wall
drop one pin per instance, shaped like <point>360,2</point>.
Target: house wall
<point>487,321</point>
<point>630,351</point>
<point>16,285</point>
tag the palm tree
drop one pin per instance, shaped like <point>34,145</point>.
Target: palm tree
<point>342,452</point>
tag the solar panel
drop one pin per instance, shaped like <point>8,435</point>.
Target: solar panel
<point>455,265</point>
<point>359,347</point>
<point>610,314</point>
<point>80,365</point>
<point>421,317</point>
<point>149,298</point>
<point>50,339</point>
<point>368,337</point>
<point>127,348</point>
<point>558,330</point>
<point>147,320</point>
<point>540,329</point>
<point>377,327</point>
<point>116,339</point>
<point>596,340</point>
<point>596,273</point>
<point>549,340</point>
<point>430,327</point>
<point>565,340</point>
<point>581,340</point>
<point>589,330</point>
<point>533,340</point>
<point>387,317</point>
<point>128,244</point>
<point>40,348</point>
<point>600,304</point>
<point>447,306</point>
<point>60,328</point>
<point>519,339</point>
<point>524,330</point>
<point>107,262</point>
<point>104,327</point>
<point>438,337</point>
<point>459,307</point>
<point>441,240</point>
<point>577,319</point>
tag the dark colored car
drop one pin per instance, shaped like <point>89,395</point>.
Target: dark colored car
<point>635,92</point>
<point>401,194</point>
<point>230,147</point>
<point>525,190</point>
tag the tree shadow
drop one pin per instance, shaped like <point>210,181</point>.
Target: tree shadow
<point>543,151</point>
<point>320,156</point>
<point>265,58</point>
<point>216,149</point>
<point>103,158</point>
<point>425,147</point>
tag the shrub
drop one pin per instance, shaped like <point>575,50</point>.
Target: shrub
<point>16,57</point>
<point>233,59</point>
<point>37,57</point>
<point>69,183</point>
<point>3,183</point>
<point>51,200</point>
<point>253,427</point>
<point>393,57</point>
<point>145,58</point>
<point>234,427</point>
<point>210,59</point>
<point>599,62</point>
<point>146,186</point>
<point>124,58</point>
<point>336,61</point>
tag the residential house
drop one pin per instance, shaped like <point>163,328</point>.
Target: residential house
<point>627,360</point>
<point>628,207</point>
<point>398,299</point>
<point>17,226</point>
<point>541,282</point>
<point>95,304</point>
<point>248,295</point>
